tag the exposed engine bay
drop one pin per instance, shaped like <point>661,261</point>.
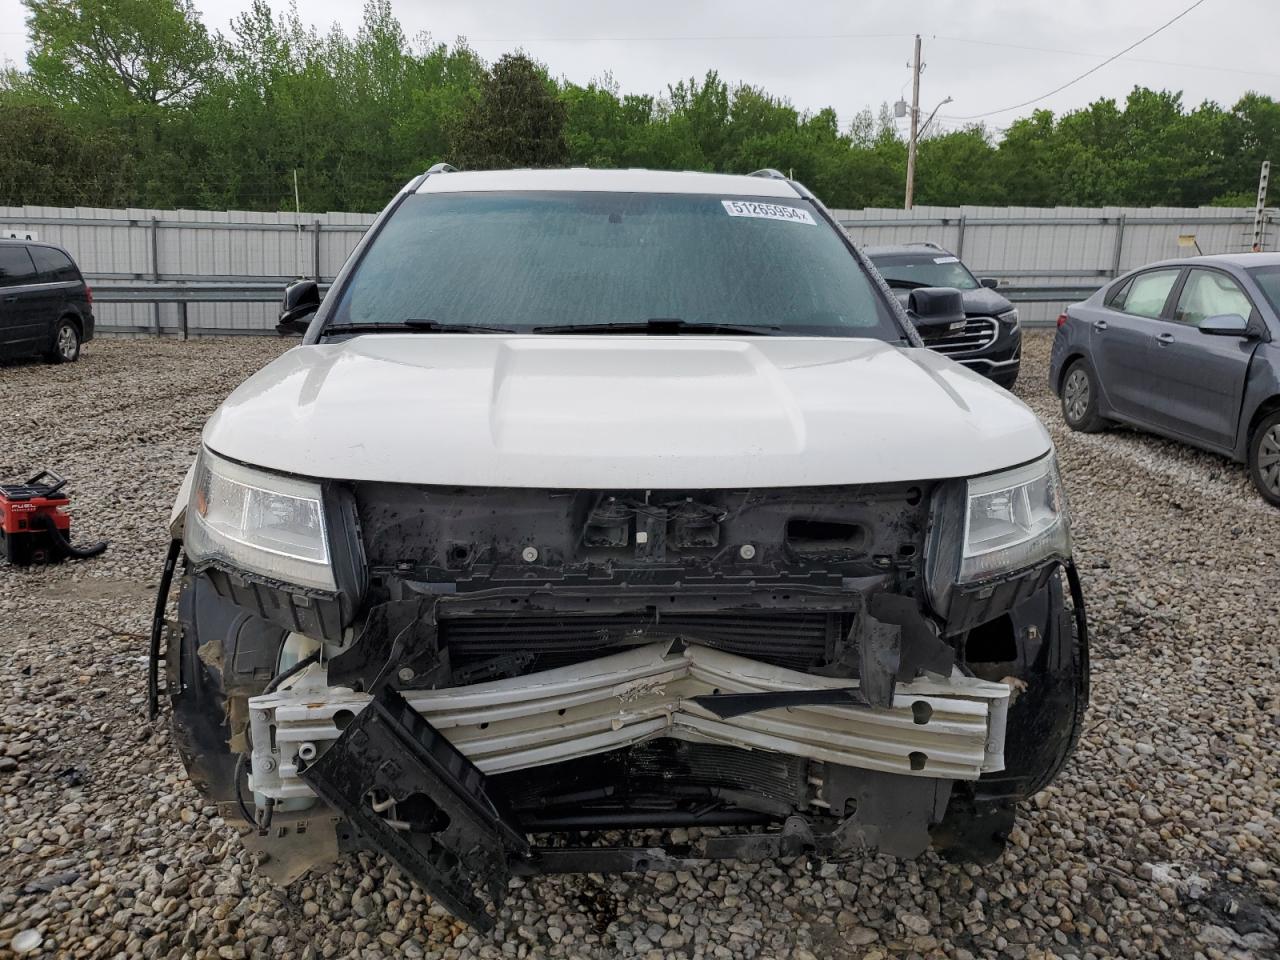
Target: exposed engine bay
<point>499,669</point>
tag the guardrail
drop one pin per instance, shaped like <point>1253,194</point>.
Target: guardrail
<point>183,295</point>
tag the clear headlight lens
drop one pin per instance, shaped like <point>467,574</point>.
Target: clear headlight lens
<point>1014,520</point>
<point>1009,317</point>
<point>260,522</point>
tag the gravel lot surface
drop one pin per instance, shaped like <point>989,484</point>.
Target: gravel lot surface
<point>1159,840</point>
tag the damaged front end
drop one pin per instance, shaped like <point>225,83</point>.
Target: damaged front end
<point>488,672</point>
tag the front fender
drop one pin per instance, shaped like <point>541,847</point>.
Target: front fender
<point>178,512</point>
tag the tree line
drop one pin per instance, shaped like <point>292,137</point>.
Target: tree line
<point>137,103</point>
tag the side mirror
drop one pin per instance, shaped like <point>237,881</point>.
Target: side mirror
<point>991,283</point>
<point>1225,325</point>
<point>935,309</point>
<point>301,299</point>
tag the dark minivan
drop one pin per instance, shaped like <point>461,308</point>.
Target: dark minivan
<point>46,308</point>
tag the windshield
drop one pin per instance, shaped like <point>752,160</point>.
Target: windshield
<point>549,259</point>
<point>1268,278</point>
<point>925,269</point>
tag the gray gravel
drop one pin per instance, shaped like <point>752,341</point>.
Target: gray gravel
<point>1159,840</point>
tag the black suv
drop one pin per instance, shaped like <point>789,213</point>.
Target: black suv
<point>989,340</point>
<point>46,307</point>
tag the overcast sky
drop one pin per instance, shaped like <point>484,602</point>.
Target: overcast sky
<point>847,53</point>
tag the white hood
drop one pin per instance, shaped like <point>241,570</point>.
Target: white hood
<point>622,412</point>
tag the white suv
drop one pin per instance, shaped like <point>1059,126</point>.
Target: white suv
<point>609,499</point>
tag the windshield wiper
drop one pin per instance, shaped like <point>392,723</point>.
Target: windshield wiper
<point>907,284</point>
<point>414,325</point>
<point>660,326</point>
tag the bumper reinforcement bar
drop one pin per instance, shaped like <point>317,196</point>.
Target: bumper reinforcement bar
<point>951,728</point>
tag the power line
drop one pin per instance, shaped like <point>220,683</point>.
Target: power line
<point>1082,53</point>
<point>1091,70</point>
<point>704,38</point>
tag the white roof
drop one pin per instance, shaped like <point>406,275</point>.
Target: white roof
<point>608,181</point>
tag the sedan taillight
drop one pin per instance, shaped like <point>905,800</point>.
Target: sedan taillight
<point>1062,318</point>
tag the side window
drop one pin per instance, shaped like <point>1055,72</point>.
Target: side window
<point>54,265</point>
<point>1208,293</point>
<point>16,267</point>
<point>1115,299</point>
<point>1148,292</point>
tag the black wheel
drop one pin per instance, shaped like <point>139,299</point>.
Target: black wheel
<point>1080,399</point>
<point>1264,458</point>
<point>66,343</point>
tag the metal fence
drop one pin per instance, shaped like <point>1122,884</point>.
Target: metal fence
<point>206,272</point>
<point>220,272</point>
<point>1050,257</point>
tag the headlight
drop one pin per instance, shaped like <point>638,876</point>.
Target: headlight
<point>259,522</point>
<point>1009,317</point>
<point>1014,520</point>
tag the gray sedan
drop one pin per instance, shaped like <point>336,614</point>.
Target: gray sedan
<point>1189,349</point>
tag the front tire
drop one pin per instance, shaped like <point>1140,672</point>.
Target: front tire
<point>1264,458</point>
<point>1080,399</point>
<point>66,343</point>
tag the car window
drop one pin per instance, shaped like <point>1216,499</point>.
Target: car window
<point>16,267</point>
<point>1268,278</point>
<point>54,265</point>
<point>1208,293</point>
<point>526,259</point>
<point>1148,292</point>
<point>934,268</point>
<point>1115,299</point>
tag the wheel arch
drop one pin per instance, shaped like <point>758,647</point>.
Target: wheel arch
<point>75,318</point>
<point>1067,362</point>
<point>1263,410</point>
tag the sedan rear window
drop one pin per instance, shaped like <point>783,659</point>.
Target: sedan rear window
<point>1148,292</point>
<point>524,259</point>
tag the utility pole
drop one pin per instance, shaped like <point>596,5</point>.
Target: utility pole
<point>915,127</point>
<point>1260,210</point>
<point>297,209</point>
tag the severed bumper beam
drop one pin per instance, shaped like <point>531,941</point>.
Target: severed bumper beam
<point>950,728</point>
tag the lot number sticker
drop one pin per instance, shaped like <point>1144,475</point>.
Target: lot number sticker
<point>767,211</point>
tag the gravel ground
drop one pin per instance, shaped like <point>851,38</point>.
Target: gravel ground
<point>1159,840</point>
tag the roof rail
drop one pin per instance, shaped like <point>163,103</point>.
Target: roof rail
<point>768,172</point>
<point>923,243</point>
<point>442,167</point>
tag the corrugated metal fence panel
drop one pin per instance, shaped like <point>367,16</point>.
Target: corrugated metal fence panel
<point>1023,246</point>
<point>115,246</point>
<point>1059,246</point>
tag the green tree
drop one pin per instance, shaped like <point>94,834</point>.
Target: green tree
<point>47,161</point>
<point>517,120</point>
<point>103,53</point>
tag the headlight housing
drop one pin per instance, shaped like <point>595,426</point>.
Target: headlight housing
<point>1009,318</point>
<point>1013,520</point>
<point>996,525</point>
<point>260,522</point>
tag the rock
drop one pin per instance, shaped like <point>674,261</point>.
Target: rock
<point>915,923</point>
<point>28,941</point>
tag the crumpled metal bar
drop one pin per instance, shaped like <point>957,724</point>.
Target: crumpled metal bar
<point>948,727</point>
